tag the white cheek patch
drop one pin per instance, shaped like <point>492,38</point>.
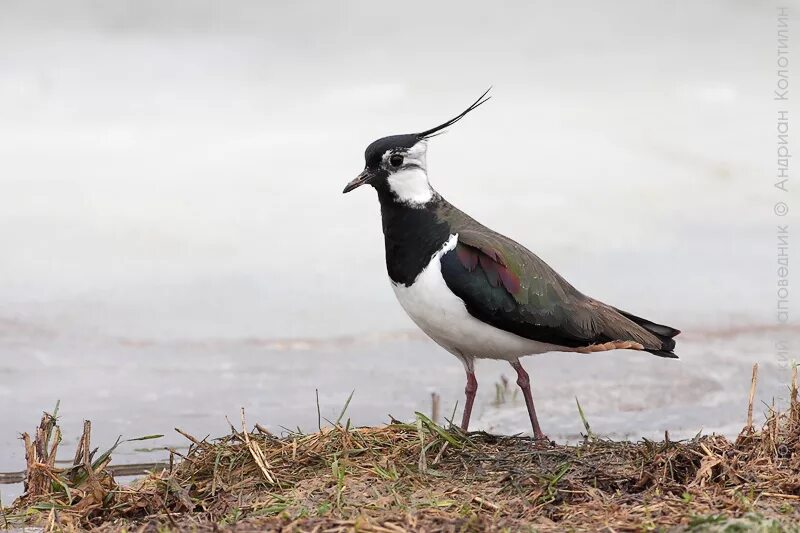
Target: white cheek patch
<point>410,184</point>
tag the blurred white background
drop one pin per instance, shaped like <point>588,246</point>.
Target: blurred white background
<point>175,168</point>
<point>171,175</point>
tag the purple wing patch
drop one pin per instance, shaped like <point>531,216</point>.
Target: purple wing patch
<point>492,264</point>
<point>468,256</point>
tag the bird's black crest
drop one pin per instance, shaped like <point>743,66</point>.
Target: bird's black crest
<point>375,151</point>
<point>431,132</point>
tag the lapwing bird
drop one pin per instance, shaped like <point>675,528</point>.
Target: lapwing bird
<point>475,292</point>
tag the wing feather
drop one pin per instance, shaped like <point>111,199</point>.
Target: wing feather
<point>508,286</point>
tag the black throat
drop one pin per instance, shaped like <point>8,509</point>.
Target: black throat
<point>411,235</point>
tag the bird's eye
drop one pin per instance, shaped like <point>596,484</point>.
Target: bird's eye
<point>396,160</point>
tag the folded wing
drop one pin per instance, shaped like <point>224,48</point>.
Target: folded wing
<point>504,284</point>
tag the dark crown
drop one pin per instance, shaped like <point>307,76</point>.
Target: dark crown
<point>375,151</point>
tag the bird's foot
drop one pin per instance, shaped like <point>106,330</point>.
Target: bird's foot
<point>543,441</point>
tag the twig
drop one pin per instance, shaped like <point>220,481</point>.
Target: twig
<point>422,463</point>
<point>480,501</point>
<point>191,438</point>
<point>441,452</point>
<point>435,401</point>
<point>319,413</point>
<point>484,503</point>
<point>257,453</point>
<point>389,526</point>
<point>753,381</point>
<point>777,495</point>
<point>87,458</point>
<point>169,515</point>
<point>134,469</point>
<point>3,513</point>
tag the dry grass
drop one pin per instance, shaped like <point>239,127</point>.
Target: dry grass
<point>423,477</point>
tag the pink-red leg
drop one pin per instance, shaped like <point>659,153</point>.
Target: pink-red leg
<point>469,390</point>
<point>524,382</point>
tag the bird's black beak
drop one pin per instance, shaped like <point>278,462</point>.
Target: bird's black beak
<point>360,180</point>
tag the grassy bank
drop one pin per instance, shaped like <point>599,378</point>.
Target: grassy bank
<point>421,476</point>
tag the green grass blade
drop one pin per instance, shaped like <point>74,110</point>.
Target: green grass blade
<point>344,409</point>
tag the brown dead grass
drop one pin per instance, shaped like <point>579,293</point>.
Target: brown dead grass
<point>421,476</point>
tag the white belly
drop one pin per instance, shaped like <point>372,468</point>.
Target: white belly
<point>443,316</point>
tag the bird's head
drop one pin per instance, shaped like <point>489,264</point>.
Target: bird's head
<point>398,162</point>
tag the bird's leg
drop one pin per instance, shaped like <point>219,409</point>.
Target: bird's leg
<point>469,390</point>
<point>524,382</point>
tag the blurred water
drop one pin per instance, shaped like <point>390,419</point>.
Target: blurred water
<point>171,178</point>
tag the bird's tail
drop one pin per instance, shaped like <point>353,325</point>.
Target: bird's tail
<point>664,333</point>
